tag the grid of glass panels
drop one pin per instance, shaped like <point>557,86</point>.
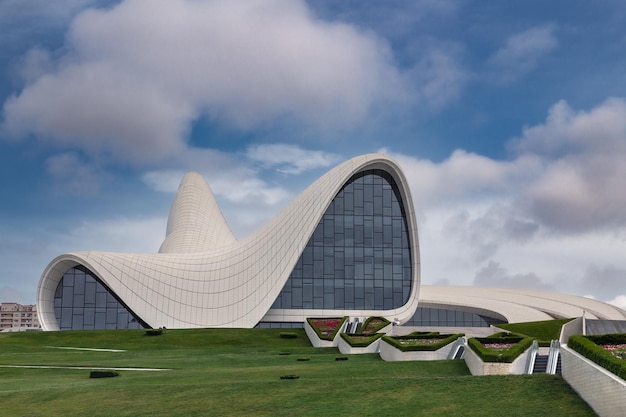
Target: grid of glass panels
<point>279,325</point>
<point>439,317</point>
<point>81,301</point>
<point>359,256</point>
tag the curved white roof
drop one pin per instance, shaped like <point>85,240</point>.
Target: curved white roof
<point>517,305</point>
<point>204,277</point>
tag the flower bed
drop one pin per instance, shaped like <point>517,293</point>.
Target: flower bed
<point>619,350</point>
<point>423,342</point>
<point>326,328</point>
<point>431,346</point>
<point>608,351</point>
<point>322,332</point>
<point>373,325</point>
<point>358,343</point>
<point>500,347</point>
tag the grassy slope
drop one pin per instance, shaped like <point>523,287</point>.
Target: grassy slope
<point>541,330</point>
<point>237,372</point>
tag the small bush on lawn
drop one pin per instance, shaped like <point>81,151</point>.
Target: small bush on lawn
<point>501,347</point>
<point>360,340</point>
<point>154,332</point>
<point>373,325</point>
<point>327,328</point>
<point>288,335</point>
<point>592,347</point>
<point>103,374</point>
<point>422,342</point>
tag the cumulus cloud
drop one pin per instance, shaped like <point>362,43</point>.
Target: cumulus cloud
<point>71,174</point>
<point>619,301</point>
<point>604,281</point>
<point>132,81</point>
<point>521,53</point>
<point>495,275</point>
<point>290,159</point>
<point>582,185</point>
<point>438,76</point>
<point>553,210</point>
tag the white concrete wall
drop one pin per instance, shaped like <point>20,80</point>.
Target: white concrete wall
<point>345,348</point>
<point>571,328</point>
<point>392,354</point>
<point>477,367</point>
<point>601,389</point>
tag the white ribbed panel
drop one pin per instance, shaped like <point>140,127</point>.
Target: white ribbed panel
<point>195,223</point>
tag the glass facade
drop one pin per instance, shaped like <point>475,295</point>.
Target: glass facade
<point>359,256</point>
<point>81,302</point>
<point>438,317</point>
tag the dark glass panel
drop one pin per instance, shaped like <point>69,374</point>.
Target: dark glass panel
<point>78,293</point>
<point>363,239</point>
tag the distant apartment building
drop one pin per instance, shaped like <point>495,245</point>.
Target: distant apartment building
<point>14,315</point>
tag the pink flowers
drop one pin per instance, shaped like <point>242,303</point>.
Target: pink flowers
<point>619,351</point>
<point>326,327</point>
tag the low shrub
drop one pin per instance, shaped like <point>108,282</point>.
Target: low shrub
<point>103,374</point>
<point>303,359</point>
<point>507,355</point>
<point>360,340</point>
<point>341,358</point>
<point>430,341</point>
<point>289,377</point>
<point>591,348</point>
<point>154,332</point>
<point>288,335</point>
<point>326,328</point>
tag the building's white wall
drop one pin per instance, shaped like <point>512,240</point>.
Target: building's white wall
<point>224,286</point>
<point>602,390</point>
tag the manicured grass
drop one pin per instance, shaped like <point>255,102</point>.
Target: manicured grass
<point>233,372</point>
<point>540,330</point>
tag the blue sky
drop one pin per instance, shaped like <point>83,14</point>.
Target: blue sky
<point>509,119</point>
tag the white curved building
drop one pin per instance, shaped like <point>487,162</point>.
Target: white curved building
<point>347,245</point>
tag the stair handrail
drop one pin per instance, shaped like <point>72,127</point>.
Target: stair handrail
<point>553,356</point>
<point>534,348</point>
<point>460,342</point>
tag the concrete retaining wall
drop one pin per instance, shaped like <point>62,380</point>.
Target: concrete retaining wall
<point>391,353</point>
<point>345,348</point>
<point>478,367</point>
<point>602,390</point>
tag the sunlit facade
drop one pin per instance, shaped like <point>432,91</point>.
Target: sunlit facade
<point>346,246</point>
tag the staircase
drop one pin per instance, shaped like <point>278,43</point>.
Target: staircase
<point>541,364</point>
<point>459,353</point>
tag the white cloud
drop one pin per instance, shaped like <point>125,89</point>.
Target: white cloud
<point>521,53</point>
<point>438,77</point>
<point>582,185</point>
<point>290,159</point>
<point>73,175</point>
<point>136,75</point>
<point>495,275</point>
<point>551,216</point>
<point>619,301</point>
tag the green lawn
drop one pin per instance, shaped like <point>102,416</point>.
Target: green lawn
<point>233,372</point>
<point>540,330</point>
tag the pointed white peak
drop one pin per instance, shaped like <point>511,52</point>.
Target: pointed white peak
<point>195,222</point>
